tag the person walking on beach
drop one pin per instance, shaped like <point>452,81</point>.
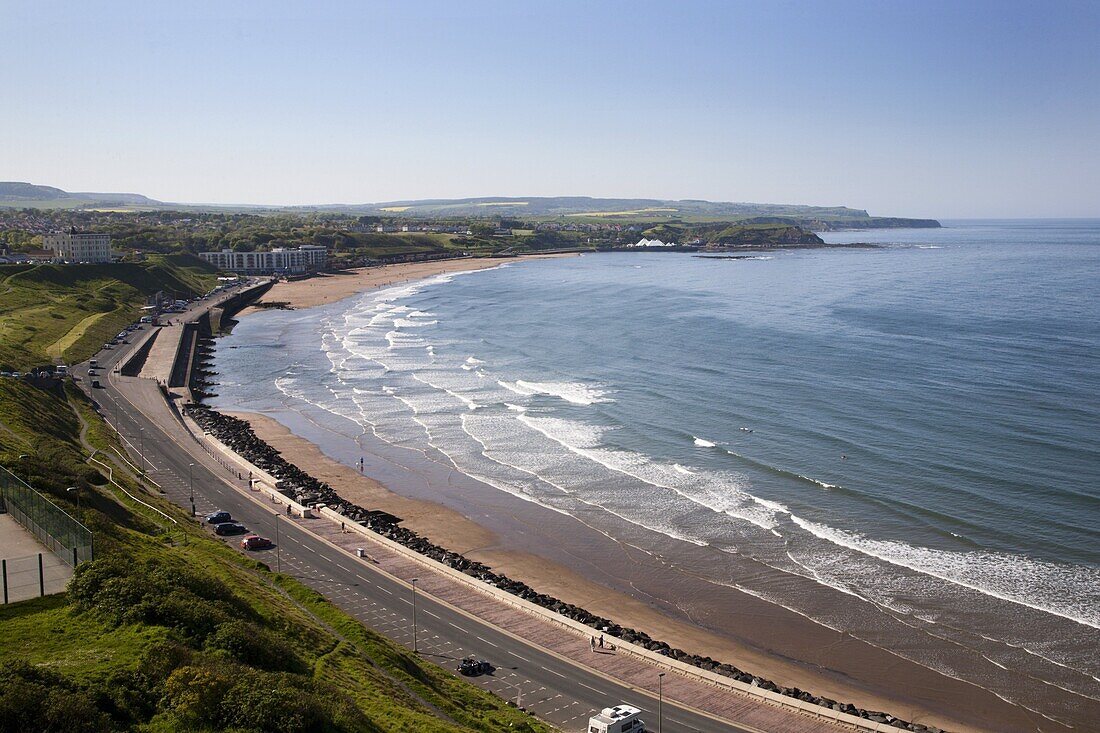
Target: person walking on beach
<point>601,641</point>
<point>288,510</point>
<point>592,643</point>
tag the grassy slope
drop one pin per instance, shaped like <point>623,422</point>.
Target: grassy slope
<point>169,629</point>
<point>44,306</point>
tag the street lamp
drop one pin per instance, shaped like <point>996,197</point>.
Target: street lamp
<point>77,490</point>
<point>660,700</point>
<point>141,437</point>
<point>278,548</point>
<point>191,485</point>
<point>415,651</point>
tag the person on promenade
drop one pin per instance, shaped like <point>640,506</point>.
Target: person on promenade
<point>601,641</point>
<point>592,643</point>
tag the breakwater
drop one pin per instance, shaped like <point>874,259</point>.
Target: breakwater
<point>305,489</point>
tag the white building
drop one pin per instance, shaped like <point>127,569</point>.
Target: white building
<point>643,242</point>
<point>278,260</point>
<point>74,246</point>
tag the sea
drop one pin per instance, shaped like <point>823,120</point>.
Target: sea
<point>897,442</point>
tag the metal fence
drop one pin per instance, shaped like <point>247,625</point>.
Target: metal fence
<point>33,576</point>
<point>65,537</point>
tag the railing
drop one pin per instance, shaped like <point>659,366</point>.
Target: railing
<point>65,537</point>
<point>33,576</point>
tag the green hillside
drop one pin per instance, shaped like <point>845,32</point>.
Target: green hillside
<point>62,313</point>
<point>168,629</point>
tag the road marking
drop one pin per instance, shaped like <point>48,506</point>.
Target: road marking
<point>520,656</point>
<point>464,631</point>
<point>430,614</point>
<point>559,674</point>
<point>487,642</point>
<point>385,591</point>
<point>357,575</point>
<point>598,692</point>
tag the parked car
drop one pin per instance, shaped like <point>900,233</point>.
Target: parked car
<point>255,542</point>
<point>218,517</point>
<point>472,667</point>
<point>230,528</point>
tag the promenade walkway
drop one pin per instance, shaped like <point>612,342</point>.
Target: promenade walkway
<point>723,703</point>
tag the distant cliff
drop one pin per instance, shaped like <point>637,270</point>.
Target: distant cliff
<point>726,235</point>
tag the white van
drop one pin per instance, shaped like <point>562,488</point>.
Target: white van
<point>619,719</point>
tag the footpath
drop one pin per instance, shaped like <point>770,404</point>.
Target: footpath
<point>714,694</point>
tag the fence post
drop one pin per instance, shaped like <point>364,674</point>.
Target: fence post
<point>5,562</point>
<point>41,577</point>
<point>74,557</point>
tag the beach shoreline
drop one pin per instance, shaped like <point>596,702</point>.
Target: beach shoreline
<point>798,661</point>
<point>329,287</point>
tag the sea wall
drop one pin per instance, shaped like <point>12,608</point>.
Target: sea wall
<point>305,491</point>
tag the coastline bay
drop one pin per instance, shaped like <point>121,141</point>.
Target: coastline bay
<point>799,480</point>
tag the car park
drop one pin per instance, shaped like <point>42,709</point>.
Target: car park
<point>256,542</point>
<point>225,528</point>
<point>218,517</point>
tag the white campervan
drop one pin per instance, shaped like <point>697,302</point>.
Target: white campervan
<point>619,719</point>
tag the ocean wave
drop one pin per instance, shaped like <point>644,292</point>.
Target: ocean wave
<point>576,393</point>
<point>1068,591</point>
<point>782,471</point>
<point>714,492</point>
<point>704,443</point>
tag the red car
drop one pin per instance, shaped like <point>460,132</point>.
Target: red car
<point>255,542</point>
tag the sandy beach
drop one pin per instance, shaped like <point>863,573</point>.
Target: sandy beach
<point>763,638</point>
<point>327,288</point>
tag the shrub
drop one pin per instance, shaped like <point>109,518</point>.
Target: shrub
<point>33,700</point>
<point>249,644</point>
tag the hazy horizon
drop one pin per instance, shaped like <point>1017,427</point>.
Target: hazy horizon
<point>985,110</point>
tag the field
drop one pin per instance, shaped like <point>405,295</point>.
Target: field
<point>625,214</point>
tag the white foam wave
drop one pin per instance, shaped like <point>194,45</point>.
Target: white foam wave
<point>681,469</point>
<point>704,443</point>
<point>1063,590</point>
<point>712,491</point>
<point>576,393</point>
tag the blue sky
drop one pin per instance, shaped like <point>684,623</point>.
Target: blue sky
<point>960,109</point>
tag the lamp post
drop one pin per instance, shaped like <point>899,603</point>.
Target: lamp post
<point>191,485</point>
<point>77,490</point>
<point>278,548</point>
<point>660,700</point>
<point>415,651</point>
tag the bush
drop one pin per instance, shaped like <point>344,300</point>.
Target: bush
<point>249,644</point>
<point>155,593</point>
<point>33,700</point>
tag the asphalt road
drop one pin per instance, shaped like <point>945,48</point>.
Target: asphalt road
<point>555,689</point>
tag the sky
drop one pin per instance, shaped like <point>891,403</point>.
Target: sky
<point>940,109</point>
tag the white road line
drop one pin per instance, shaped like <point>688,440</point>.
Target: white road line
<point>518,656</point>
<point>464,631</point>
<point>559,674</point>
<point>487,642</point>
<point>430,614</point>
<point>598,692</point>
<point>384,590</point>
